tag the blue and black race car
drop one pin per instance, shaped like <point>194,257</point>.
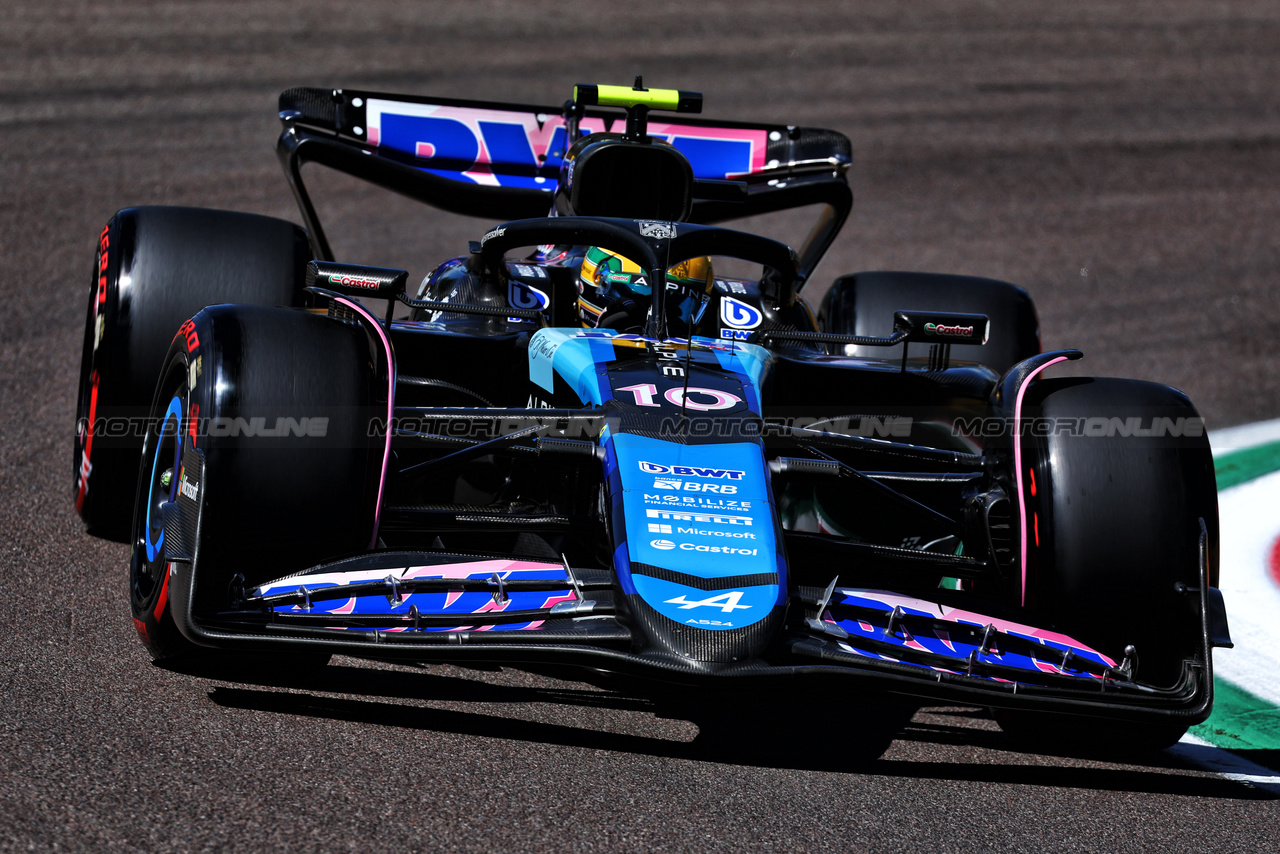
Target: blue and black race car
<point>612,438</point>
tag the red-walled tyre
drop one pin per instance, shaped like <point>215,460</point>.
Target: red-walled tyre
<point>155,267</point>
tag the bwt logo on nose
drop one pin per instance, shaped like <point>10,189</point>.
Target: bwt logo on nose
<point>690,471</point>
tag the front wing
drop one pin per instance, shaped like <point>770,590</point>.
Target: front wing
<point>472,609</point>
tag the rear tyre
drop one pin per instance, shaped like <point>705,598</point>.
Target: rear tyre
<point>864,304</point>
<point>155,267</point>
<point>1114,534</point>
<point>276,452</point>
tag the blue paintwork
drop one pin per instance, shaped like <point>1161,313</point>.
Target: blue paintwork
<point>579,359</point>
<point>175,412</point>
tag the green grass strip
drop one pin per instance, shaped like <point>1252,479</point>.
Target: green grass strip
<point>1236,467</point>
<point>1240,721</point>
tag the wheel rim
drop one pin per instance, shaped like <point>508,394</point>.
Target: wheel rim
<point>161,464</point>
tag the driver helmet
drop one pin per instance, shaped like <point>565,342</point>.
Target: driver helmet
<point>615,292</point>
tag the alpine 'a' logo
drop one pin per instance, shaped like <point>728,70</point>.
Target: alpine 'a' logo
<point>726,602</point>
<point>739,314</point>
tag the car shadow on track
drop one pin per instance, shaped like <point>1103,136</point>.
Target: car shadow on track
<point>377,697</point>
<point>731,729</point>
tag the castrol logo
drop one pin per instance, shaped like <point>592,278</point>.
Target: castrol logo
<point>948,331</point>
<point>355,282</point>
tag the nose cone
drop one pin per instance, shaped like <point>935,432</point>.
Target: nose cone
<point>697,545</point>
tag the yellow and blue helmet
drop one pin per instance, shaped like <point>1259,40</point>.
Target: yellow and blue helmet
<point>615,292</point>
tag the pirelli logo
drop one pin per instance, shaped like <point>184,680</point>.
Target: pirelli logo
<point>699,518</point>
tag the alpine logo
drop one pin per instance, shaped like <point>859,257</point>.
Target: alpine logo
<point>690,471</point>
<point>739,314</point>
<point>726,602</point>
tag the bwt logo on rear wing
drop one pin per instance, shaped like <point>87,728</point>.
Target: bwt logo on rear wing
<point>515,148</point>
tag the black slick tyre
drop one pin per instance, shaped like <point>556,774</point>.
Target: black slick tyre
<point>275,451</point>
<point>154,268</point>
<point>1115,495</point>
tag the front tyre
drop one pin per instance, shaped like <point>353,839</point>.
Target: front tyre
<point>1117,476</point>
<point>262,459</point>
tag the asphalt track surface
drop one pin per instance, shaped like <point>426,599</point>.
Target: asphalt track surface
<point>1122,161</point>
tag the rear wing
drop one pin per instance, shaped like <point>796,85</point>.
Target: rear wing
<point>501,161</point>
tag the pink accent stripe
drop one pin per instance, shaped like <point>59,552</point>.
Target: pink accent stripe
<point>1017,467</point>
<point>391,402</point>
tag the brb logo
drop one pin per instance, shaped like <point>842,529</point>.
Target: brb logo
<point>512,148</point>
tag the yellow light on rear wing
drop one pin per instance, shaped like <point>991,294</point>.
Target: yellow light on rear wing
<point>676,100</point>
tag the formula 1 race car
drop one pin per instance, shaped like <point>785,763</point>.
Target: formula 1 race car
<point>590,447</point>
